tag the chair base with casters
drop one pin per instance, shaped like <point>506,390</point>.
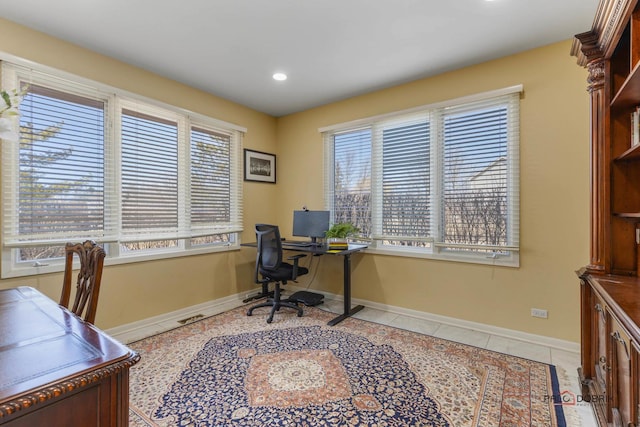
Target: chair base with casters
<point>264,293</point>
<point>276,303</point>
<point>271,268</point>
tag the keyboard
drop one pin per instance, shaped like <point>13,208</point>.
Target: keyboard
<point>298,244</point>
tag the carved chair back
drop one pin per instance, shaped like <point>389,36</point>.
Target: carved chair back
<point>88,280</point>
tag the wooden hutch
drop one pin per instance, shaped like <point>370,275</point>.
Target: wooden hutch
<point>610,284</point>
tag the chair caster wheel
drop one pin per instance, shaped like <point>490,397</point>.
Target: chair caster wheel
<point>249,313</point>
<point>269,320</point>
<point>299,314</point>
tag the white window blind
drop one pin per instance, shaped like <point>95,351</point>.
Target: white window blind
<point>149,180</point>
<point>60,190</point>
<point>404,178</point>
<point>480,190</point>
<point>349,185</point>
<point>214,189</point>
<point>144,179</point>
<point>441,179</point>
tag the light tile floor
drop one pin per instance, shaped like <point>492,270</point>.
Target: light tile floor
<point>566,362</point>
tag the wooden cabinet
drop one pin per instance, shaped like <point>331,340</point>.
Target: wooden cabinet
<point>610,284</point>
<point>609,371</point>
<point>55,369</point>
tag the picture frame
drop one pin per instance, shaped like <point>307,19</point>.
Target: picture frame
<point>259,166</point>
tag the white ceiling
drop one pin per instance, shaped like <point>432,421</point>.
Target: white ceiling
<point>331,49</point>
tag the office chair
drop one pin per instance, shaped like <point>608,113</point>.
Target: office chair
<point>89,277</point>
<point>270,266</point>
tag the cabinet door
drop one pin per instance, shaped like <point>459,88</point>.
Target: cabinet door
<point>622,399</point>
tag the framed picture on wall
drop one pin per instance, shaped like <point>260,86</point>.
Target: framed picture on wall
<point>259,166</point>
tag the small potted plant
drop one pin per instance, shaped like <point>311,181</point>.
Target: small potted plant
<point>338,233</point>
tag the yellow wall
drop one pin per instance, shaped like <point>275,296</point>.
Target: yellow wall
<point>554,196</point>
<point>137,291</point>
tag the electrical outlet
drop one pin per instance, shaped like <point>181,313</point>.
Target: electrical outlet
<point>539,312</point>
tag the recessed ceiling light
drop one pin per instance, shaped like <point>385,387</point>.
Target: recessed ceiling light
<point>280,76</point>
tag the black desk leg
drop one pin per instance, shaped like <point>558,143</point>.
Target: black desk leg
<point>348,311</point>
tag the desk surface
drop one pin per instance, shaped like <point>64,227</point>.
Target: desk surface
<point>320,250</point>
<point>45,347</point>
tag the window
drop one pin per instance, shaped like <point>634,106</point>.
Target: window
<point>148,180</point>
<point>144,180</point>
<point>352,179</point>
<point>405,174</point>
<point>439,181</point>
<point>213,203</point>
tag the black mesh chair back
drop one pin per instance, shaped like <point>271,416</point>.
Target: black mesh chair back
<point>272,269</point>
<point>269,246</point>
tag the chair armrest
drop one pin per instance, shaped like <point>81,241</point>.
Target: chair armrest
<point>295,259</point>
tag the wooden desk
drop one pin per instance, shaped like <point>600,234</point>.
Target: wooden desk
<point>55,369</point>
<point>346,256</point>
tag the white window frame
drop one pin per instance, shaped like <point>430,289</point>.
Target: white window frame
<point>14,69</point>
<point>507,255</point>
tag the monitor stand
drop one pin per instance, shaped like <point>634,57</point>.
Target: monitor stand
<point>315,243</point>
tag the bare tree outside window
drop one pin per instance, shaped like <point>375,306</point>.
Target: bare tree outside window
<point>477,214</point>
<point>352,175</point>
<point>406,178</point>
<point>60,183</point>
<point>437,179</point>
<point>475,178</point>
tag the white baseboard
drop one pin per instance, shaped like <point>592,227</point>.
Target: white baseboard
<point>144,328</point>
<point>569,346</point>
<point>564,345</point>
<point>154,325</point>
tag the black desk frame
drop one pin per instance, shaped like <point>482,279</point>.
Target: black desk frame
<point>348,311</point>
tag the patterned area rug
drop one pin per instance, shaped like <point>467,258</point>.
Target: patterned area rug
<point>235,370</point>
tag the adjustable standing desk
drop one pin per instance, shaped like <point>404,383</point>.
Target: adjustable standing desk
<point>346,256</point>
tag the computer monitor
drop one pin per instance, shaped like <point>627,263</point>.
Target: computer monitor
<point>312,224</point>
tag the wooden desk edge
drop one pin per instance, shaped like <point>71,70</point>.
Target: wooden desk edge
<point>32,398</point>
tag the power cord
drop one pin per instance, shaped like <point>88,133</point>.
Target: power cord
<point>311,269</point>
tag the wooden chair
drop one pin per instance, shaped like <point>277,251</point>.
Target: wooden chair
<point>88,283</point>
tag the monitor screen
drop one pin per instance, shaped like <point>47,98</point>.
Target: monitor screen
<point>311,224</point>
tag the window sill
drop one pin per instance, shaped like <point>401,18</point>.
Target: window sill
<point>55,266</point>
<point>512,261</point>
